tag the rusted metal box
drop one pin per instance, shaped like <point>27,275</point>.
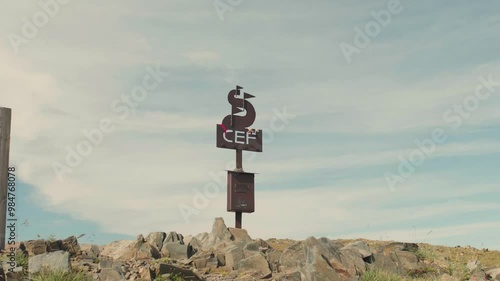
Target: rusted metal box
<point>240,192</point>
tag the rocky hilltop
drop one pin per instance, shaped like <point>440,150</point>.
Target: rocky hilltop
<point>231,254</point>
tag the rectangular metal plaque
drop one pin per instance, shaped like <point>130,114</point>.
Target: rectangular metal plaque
<point>240,192</point>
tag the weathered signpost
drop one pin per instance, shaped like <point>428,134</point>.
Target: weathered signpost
<point>5,120</point>
<point>234,133</point>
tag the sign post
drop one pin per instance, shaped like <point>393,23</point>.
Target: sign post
<point>234,133</point>
<point>5,120</point>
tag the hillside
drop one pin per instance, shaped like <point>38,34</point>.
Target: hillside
<point>231,254</point>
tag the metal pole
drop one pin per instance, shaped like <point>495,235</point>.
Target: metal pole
<point>239,160</point>
<point>5,122</point>
<point>239,216</point>
<point>239,167</point>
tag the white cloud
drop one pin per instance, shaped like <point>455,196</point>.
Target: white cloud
<point>27,92</point>
<point>311,161</point>
<point>164,122</point>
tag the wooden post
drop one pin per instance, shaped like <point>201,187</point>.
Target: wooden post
<point>5,121</point>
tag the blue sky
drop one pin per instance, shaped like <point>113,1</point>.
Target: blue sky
<point>322,172</point>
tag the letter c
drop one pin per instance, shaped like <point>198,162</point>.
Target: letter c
<point>224,135</point>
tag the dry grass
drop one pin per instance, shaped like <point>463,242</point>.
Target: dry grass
<point>46,275</point>
<point>280,244</point>
<point>461,255</point>
<point>439,255</point>
<point>378,275</point>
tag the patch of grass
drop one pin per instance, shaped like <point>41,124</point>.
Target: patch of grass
<point>280,244</point>
<point>426,254</point>
<point>488,258</point>
<point>459,270</point>
<point>379,275</point>
<point>176,277</point>
<point>46,275</point>
<point>162,260</point>
<point>422,272</point>
<point>22,260</point>
<point>222,271</point>
<point>160,278</point>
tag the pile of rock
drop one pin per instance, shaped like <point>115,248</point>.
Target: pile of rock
<point>227,254</point>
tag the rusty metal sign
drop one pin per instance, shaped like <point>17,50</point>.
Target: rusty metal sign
<point>234,131</point>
